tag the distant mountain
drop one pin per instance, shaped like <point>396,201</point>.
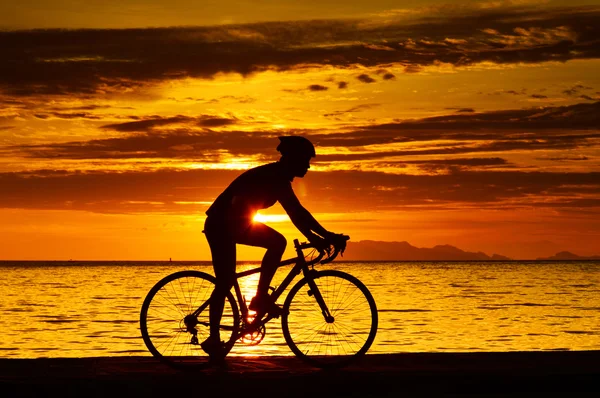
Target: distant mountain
<point>523,249</point>
<point>369,250</point>
<point>568,256</point>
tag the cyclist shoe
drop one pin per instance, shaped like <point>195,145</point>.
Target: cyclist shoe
<point>265,305</point>
<point>214,348</point>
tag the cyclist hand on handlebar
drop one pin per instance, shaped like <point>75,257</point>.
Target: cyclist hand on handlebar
<point>338,241</point>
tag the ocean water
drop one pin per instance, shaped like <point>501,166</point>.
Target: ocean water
<point>90,309</point>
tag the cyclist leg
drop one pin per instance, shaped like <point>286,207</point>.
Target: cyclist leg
<point>222,248</point>
<point>260,235</point>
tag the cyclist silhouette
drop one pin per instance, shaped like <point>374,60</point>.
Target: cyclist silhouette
<point>230,221</point>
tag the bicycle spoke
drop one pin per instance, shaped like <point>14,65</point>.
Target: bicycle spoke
<point>170,302</point>
<point>326,342</point>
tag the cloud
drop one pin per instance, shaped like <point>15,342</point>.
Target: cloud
<point>576,89</point>
<point>365,78</point>
<point>158,121</point>
<point>183,143</point>
<point>453,165</point>
<point>100,62</point>
<point>357,108</point>
<point>164,190</point>
<point>183,137</point>
<point>317,87</point>
<point>386,75</point>
<point>462,162</point>
<point>462,110</point>
<point>147,124</point>
<point>564,158</point>
<point>342,85</point>
<point>213,121</point>
<point>64,115</point>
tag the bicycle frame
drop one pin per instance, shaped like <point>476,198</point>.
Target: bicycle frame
<point>301,266</point>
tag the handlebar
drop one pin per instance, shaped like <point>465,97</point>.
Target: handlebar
<point>332,250</point>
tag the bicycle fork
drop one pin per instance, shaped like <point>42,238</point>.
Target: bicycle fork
<point>314,291</point>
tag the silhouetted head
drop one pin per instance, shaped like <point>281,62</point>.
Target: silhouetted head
<point>296,152</point>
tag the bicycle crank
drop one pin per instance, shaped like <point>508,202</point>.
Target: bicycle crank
<point>255,336</point>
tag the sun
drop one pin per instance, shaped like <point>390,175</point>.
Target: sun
<point>270,218</point>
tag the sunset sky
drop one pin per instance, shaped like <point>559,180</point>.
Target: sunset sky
<point>475,124</point>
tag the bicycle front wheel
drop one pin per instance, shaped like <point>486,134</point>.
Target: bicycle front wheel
<point>174,319</point>
<point>330,341</point>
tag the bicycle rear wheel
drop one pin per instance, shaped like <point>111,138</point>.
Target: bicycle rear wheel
<point>345,337</point>
<point>170,325</point>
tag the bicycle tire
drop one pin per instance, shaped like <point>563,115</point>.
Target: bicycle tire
<point>163,312</point>
<point>335,344</point>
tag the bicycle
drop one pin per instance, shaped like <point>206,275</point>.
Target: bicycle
<point>329,317</point>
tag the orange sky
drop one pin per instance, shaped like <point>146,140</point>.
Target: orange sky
<point>435,123</point>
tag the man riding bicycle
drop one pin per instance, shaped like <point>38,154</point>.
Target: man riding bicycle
<point>230,221</point>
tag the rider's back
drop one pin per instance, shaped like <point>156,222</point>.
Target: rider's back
<point>255,189</point>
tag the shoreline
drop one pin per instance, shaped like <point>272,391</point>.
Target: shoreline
<point>482,373</point>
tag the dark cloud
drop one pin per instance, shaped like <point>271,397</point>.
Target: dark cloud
<point>538,96</point>
<point>240,99</point>
<point>366,78</point>
<point>477,188</point>
<point>462,162</point>
<point>330,191</point>
<point>64,115</point>
<point>91,107</point>
<point>565,158</point>
<point>525,127</point>
<point>111,192</point>
<point>462,110</point>
<point>158,121</point>
<point>453,165</point>
<point>515,144</point>
<point>224,98</point>
<point>385,74</point>
<point>578,116</point>
<point>317,87</point>
<point>104,61</point>
<point>354,109</point>
<point>148,124</point>
<point>541,128</point>
<point>205,146</point>
<point>576,89</point>
<point>342,85</point>
<point>213,121</point>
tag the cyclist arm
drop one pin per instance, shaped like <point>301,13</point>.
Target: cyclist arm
<point>301,218</point>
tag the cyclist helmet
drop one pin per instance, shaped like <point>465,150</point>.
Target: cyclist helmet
<point>295,145</point>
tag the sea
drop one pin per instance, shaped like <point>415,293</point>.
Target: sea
<point>91,308</point>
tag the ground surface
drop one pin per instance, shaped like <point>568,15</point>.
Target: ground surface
<point>522,374</point>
